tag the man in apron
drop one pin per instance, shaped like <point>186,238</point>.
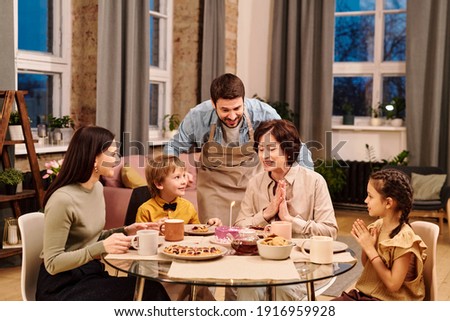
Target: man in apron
<point>223,127</point>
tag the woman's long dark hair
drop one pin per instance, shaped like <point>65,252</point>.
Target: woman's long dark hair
<point>86,144</point>
<point>395,184</point>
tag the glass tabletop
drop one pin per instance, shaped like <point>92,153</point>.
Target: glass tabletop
<point>157,268</point>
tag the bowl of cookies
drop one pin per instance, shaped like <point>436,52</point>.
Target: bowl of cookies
<point>274,247</point>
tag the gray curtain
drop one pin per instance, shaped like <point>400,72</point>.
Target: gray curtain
<point>428,82</point>
<point>213,44</point>
<point>123,72</point>
<point>302,66</point>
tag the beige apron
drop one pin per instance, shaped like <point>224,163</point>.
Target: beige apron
<point>223,175</point>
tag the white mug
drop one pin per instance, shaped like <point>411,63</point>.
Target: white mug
<point>280,228</point>
<point>320,249</point>
<point>146,242</point>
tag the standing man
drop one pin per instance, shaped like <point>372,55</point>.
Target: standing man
<point>223,127</point>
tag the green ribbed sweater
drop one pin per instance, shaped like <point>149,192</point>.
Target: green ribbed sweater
<point>73,231</point>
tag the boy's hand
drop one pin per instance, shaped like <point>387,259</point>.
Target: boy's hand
<point>214,222</point>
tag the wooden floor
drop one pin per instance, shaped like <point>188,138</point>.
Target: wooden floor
<point>10,276</point>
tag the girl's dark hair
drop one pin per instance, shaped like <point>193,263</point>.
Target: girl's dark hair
<point>285,133</point>
<point>86,144</point>
<point>395,184</point>
<point>227,86</point>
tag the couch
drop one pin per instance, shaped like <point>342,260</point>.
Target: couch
<point>431,192</point>
<point>129,174</point>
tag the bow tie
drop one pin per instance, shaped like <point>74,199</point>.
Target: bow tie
<point>170,206</point>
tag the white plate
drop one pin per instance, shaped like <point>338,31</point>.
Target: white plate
<point>337,246</point>
<point>214,240</point>
<point>188,230</point>
<point>222,249</point>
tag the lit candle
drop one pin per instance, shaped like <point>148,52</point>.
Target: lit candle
<point>231,213</point>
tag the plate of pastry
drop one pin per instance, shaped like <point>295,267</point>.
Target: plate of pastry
<point>193,251</point>
<point>199,229</point>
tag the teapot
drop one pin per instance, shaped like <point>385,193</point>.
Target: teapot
<point>245,242</point>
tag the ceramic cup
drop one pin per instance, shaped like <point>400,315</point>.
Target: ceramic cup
<point>172,229</point>
<point>280,228</point>
<point>146,242</point>
<point>320,249</point>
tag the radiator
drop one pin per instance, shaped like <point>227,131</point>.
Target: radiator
<point>357,175</point>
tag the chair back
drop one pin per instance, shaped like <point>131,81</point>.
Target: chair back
<point>139,196</point>
<point>429,233</point>
<point>31,227</point>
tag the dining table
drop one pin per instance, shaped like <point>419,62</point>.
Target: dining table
<point>228,269</point>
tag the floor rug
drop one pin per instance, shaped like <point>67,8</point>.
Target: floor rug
<point>345,280</point>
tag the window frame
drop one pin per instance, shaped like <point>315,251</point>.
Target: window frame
<point>50,63</point>
<point>378,69</point>
<point>162,75</point>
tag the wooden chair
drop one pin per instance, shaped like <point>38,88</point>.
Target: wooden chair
<point>31,227</point>
<point>429,233</point>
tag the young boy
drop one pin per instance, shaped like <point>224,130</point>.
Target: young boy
<point>167,181</point>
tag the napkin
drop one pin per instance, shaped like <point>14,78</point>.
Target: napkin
<point>235,267</point>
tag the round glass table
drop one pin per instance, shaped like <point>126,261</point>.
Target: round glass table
<point>157,268</point>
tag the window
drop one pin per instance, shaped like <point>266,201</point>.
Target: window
<point>43,56</point>
<point>160,71</point>
<point>369,53</point>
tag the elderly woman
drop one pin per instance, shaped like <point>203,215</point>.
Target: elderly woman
<point>285,191</point>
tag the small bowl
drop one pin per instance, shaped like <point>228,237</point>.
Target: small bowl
<point>274,252</point>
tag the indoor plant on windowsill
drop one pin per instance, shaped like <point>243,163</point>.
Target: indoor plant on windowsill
<point>348,118</point>
<point>10,178</point>
<point>395,111</point>
<point>171,122</point>
<point>376,114</point>
<point>61,129</point>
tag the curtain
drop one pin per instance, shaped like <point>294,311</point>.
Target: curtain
<point>302,67</point>
<point>123,72</point>
<point>213,44</point>
<point>428,82</point>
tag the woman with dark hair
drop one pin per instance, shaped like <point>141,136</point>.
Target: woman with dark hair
<point>74,238</point>
<point>285,191</point>
<point>392,254</point>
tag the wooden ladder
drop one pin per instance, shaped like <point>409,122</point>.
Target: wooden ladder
<point>9,96</point>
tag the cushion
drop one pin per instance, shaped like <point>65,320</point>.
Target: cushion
<point>131,178</point>
<point>115,180</point>
<point>427,187</point>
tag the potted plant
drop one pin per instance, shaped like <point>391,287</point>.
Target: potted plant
<point>395,111</point>
<point>376,114</point>
<point>15,126</point>
<point>11,177</point>
<point>334,175</point>
<point>61,129</point>
<point>171,122</point>
<point>281,107</point>
<point>348,118</point>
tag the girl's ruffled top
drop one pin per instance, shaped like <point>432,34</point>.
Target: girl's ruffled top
<point>389,250</point>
